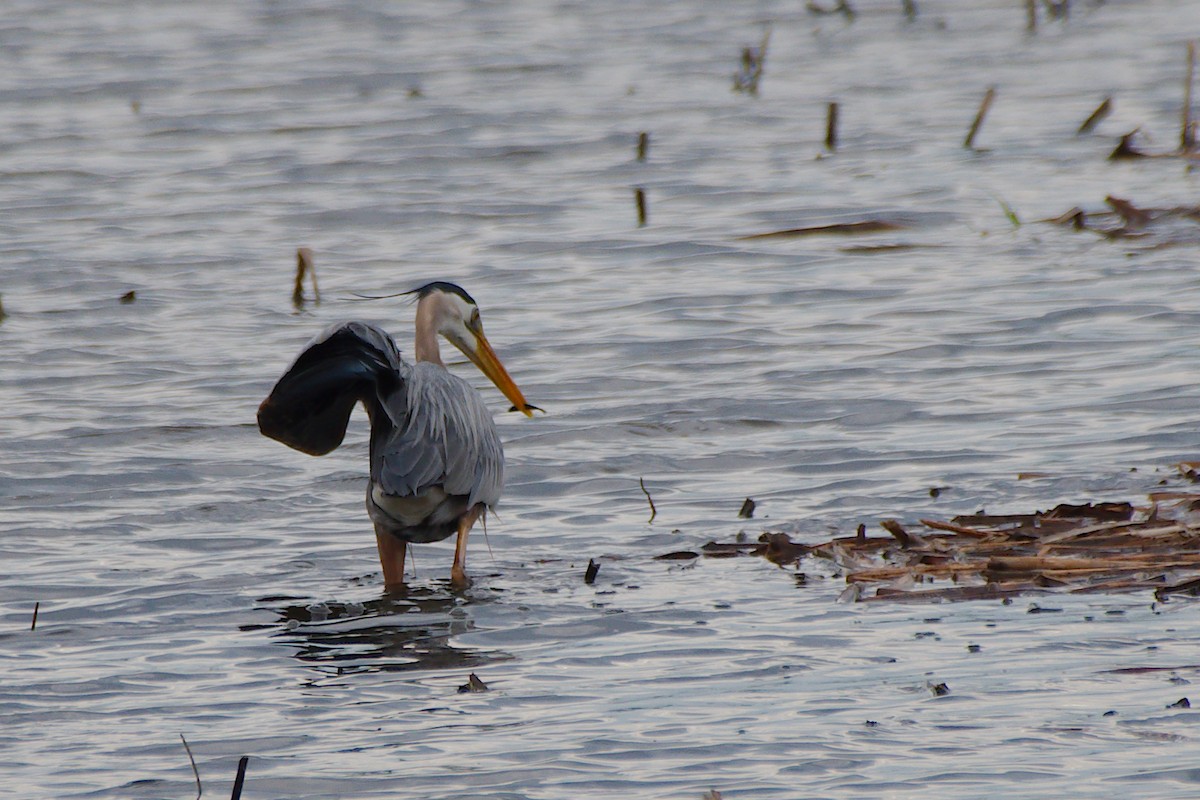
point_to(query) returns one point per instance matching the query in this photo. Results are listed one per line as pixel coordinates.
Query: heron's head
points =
(454, 314)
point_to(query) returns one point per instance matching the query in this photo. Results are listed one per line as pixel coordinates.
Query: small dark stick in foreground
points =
(1031, 16)
(1133, 217)
(897, 530)
(831, 122)
(1187, 135)
(593, 569)
(753, 61)
(747, 509)
(196, 772)
(643, 145)
(988, 96)
(304, 266)
(639, 197)
(649, 499)
(842, 7)
(1099, 114)
(128, 297)
(1125, 148)
(36, 606)
(473, 685)
(1058, 10)
(240, 780)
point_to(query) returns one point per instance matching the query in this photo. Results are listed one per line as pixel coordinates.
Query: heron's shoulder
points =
(361, 335)
(435, 378)
(366, 331)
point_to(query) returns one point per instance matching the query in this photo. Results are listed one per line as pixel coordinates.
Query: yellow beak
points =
(484, 357)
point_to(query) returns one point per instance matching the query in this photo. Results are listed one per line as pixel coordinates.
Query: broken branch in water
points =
(240, 780)
(649, 499)
(831, 123)
(1178, 224)
(643, 145)
(842, 7)
(753, 60)
(897, 530)
(304, 266)
(196, 772)
(1187, 134)
(988, 97)
(33, 623)
(473, 685)
(1092, 547)
(1133, 217)
(850, 228)
(639, 198)
(1102, 111)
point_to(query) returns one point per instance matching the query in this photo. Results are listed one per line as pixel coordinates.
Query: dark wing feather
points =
(310, 406)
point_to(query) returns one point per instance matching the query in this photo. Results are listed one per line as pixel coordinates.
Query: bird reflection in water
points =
(395, 633)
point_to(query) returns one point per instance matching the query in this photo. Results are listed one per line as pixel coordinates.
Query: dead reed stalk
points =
(988, 97)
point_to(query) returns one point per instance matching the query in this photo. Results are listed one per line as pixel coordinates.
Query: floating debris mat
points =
(1070, 548)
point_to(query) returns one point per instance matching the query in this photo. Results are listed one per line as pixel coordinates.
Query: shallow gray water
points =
(197, 579)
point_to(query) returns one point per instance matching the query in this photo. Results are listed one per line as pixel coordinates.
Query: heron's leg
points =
(391, 558)
(458, 571)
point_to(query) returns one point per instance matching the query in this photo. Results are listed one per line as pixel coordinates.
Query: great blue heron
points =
(436, 460)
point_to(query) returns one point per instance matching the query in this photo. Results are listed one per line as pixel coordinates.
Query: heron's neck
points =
(425, 343)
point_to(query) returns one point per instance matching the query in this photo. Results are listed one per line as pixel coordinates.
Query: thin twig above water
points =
(649, 499)
(196, 772)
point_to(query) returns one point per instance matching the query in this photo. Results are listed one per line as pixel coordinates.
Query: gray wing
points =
(447, 439)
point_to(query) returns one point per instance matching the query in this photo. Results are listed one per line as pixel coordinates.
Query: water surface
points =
(195, 578)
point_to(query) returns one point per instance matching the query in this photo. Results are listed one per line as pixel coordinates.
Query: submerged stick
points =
(639, 197)
(593, 569)
(897, 530)
(1099, 114)
(747, 78)
(841, 228)
(1125, 148)
(196, 772)
(1187, 134)
(33, 624)
(643, 145)
(649, 499)
(988, 96)
(304, 266)
(952, 528)
(747, 510)
(240, 779)
(831, 121)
